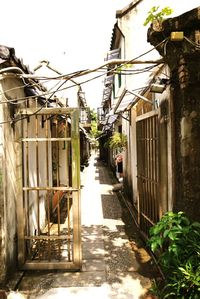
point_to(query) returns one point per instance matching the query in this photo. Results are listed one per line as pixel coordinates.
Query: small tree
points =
(157, 15)
(94, 132)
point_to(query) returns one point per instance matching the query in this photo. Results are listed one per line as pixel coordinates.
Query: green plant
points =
(177, 242)
(117, 141)
(123, 67)
(94, 132)
(157, 15)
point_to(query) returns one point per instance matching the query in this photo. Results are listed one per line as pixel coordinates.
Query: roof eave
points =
(126, 9)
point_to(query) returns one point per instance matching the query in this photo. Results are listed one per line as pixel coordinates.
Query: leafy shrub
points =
(177, 242)
(117, 141)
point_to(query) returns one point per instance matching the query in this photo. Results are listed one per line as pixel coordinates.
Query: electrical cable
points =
(128, 62)
(14, 120)
(86, 72)
(47, 93)
(28, 97)
(86, 81)
(139, 69)
(165, 47)
(62, 89)
(11, 68)
(74, 75)
(136, 72)
(59, 77)
(21, 100)
(139, 56)
(35, 84)
(192, 42)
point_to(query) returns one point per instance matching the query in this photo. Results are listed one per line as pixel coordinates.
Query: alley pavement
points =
(115, 262)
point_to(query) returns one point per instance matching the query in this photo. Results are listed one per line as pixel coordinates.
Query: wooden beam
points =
(31, 111)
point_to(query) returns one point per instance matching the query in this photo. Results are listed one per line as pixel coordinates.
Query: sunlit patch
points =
(119, 242)
(16, 295)
(129, 287)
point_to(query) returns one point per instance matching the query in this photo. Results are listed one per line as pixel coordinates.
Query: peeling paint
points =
(186, 133)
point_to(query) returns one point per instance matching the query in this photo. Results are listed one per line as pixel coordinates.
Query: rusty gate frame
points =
(149, 207)
(75, 262)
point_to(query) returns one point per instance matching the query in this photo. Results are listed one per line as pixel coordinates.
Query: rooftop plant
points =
(157, 14)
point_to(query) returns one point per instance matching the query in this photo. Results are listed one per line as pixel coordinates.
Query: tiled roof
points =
(8, 58)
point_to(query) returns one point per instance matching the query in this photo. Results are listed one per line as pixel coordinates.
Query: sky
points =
(71, 34)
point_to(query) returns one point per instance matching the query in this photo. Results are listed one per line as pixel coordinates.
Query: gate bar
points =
(50, 188)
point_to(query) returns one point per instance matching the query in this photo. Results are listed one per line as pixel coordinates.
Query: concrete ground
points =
(115, 262)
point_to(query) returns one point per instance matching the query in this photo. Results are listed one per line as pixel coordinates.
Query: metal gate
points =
(149, 208)
(48, 207)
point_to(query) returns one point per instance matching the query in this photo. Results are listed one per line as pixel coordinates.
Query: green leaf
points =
(196, 224)
(166, 232)
(172, 236)
(154, 14)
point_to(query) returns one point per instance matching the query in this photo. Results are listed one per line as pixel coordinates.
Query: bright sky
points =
(71, 34)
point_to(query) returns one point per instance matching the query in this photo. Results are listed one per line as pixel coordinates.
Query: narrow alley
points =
(99, 150)
(115, 264)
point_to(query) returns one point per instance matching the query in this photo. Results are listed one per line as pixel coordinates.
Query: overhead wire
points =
(127, 62)
(66, 78)
(61, 89)
(82, 73)
(46, 93)
(14, 120)
(89, 71)
(136, 71)
(192, 43)
(42, 94)
(21, 86)
(78, 73)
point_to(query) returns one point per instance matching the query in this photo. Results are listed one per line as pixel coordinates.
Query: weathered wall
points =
(2, 241)
(183, 58)
(187, 142)
(8, 240)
